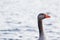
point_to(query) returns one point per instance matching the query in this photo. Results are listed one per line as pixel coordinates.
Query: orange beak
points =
(46, 16)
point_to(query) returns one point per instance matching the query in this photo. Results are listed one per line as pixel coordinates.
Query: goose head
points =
(42, 16)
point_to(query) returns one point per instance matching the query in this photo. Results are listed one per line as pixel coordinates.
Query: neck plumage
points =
(40, 28)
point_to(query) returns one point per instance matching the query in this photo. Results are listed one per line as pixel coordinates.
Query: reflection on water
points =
(9, 39)
(10, 30)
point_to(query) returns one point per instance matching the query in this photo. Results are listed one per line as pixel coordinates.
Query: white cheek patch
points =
(41, 16)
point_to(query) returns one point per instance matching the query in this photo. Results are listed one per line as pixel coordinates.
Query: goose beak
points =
(47, 16)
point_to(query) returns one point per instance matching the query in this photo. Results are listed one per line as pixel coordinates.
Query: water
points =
(18, 19)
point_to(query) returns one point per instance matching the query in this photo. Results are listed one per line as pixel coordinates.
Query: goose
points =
(41, 16)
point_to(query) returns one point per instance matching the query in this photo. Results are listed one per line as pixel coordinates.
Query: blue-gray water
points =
(18, 19)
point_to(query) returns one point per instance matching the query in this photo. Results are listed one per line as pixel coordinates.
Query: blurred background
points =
(18, 19)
